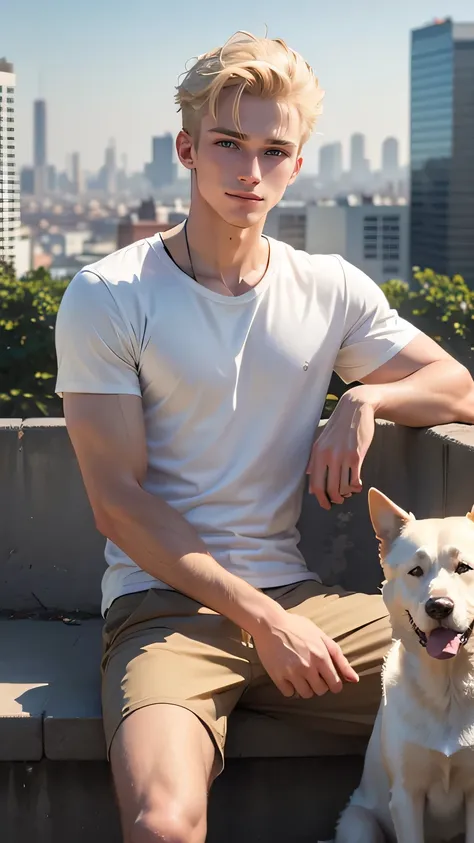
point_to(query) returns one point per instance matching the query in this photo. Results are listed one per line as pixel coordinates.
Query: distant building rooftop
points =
(129, 231)
(6, 66)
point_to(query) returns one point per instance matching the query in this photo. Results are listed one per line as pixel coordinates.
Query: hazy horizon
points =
(109, 69)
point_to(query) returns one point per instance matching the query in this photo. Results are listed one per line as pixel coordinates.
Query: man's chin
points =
(242, 218)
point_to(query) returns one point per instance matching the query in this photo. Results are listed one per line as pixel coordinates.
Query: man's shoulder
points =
(125, 265)
(321, 267)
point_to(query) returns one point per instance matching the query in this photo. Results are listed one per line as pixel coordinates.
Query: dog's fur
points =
(418, 779)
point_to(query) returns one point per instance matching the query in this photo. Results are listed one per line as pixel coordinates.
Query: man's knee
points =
(170, 825)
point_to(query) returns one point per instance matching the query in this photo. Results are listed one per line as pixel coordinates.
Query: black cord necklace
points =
(222, 279)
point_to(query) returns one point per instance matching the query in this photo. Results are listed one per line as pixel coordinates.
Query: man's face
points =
(258, 164)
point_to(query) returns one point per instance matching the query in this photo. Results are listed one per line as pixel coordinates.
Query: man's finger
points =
(317, 483)
(333, 482)
(339, 660)
(330, 675)
(354, 479)
(317, 682)
(285, 687)
(303, 687)
(345, 487)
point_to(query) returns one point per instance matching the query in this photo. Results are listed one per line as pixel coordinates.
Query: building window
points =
(10, 90)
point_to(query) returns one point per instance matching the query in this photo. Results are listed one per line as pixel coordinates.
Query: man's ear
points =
(387, 518)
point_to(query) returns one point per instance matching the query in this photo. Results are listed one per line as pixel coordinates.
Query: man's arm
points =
(108, 436)
(420, 386)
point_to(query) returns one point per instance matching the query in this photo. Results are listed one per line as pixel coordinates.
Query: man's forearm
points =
(165, 545)
(439, 393)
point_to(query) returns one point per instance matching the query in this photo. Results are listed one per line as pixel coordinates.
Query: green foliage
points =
(28, 311)
(441, 306)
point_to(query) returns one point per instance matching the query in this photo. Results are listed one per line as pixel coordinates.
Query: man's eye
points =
(223, 142)
(416, 572)
(463, 568)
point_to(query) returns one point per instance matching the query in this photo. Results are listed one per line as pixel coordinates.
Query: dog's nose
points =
(439, 607)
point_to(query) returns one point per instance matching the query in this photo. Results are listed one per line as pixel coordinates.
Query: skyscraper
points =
(442, 148)
(390, 164)
(76, 174)
(330, 163)
(39, 148)
(110, 169)
(359, 165)
(161, 171)
(9, 199)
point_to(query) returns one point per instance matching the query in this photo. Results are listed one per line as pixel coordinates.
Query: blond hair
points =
(262, 67)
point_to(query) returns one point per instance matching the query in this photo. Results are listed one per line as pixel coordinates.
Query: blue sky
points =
(108, 68)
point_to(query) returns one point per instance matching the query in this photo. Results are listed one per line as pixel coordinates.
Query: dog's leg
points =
(358, 825)
(408, 813)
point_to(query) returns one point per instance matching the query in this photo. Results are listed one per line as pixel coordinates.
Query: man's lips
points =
(248, 196)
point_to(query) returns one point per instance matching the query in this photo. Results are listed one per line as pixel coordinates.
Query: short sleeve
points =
(373, 331)
(94, 347)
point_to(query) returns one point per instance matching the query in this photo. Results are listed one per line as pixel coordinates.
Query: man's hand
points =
(300, 658)
(337, 456)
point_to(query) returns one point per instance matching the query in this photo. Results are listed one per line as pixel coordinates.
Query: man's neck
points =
(219, 250)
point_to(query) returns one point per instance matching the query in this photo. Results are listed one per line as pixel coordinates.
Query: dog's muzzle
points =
(423, 639)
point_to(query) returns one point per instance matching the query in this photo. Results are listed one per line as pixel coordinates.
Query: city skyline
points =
(97, 88)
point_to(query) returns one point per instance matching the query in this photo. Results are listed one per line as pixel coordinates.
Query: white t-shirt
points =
(232, 389)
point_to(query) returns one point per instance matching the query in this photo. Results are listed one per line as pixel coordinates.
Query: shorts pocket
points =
(123, 613)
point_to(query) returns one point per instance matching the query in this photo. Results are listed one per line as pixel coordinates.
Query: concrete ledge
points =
(50, 702)
(257, 800)
(53, 554)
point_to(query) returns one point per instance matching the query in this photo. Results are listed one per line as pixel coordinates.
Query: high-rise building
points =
(40, 159)
(110, 169)
(372, 237)
(161, 171)
(359, 166)
(330, 163)
(442, 148)
(77, 174)
(390, 163)
(9, 198)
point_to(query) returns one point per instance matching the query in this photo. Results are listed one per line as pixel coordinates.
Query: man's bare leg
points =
(162, 760)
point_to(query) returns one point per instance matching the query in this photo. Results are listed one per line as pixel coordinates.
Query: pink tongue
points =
(443, 643)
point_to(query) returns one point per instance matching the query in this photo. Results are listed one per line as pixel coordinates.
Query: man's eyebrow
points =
(241, 136)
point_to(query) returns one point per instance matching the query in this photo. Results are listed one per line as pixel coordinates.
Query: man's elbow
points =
(465, 394)
(112, 508)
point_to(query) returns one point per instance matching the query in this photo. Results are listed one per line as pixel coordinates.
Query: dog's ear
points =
(470, 514)
(387, 518)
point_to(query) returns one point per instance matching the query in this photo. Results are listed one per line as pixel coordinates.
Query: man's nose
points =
(252, 173)
(439, 607)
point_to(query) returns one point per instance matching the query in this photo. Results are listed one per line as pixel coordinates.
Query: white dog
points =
(418, 779)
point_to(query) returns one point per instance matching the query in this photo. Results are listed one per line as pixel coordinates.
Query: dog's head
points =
(429, 576)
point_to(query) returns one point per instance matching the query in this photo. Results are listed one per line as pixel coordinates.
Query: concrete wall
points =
(275, 786)
(53, 556)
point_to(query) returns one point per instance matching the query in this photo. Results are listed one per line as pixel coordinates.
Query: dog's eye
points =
(416, 572)
(463, 568)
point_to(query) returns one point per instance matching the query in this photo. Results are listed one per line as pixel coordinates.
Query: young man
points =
(194, 369)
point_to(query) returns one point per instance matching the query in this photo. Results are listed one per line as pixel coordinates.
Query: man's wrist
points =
(368, 395)
(260, 613)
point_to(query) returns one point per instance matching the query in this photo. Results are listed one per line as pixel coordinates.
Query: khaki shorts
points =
(162, 647)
